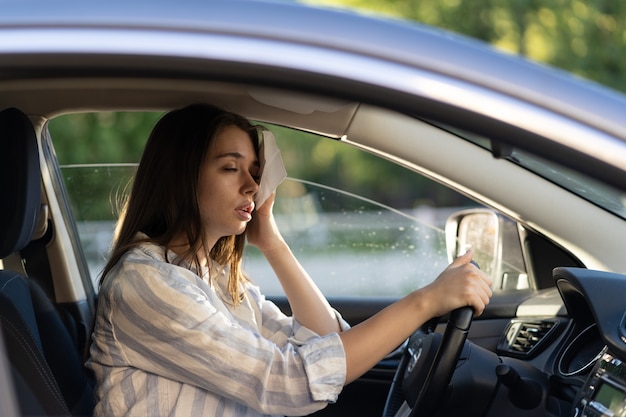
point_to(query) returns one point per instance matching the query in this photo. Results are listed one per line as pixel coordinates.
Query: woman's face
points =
(227, 184)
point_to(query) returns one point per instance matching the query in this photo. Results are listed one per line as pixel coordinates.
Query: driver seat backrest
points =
(46, 366)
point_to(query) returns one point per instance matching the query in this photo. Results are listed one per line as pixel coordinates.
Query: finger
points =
(484, 293)
(481, 300)
(486, 280)
(463, 259)
(267, 206)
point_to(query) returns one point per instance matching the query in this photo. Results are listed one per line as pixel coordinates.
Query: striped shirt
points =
(166, 343)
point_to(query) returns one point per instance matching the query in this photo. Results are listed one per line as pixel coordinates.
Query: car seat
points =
(45, 363)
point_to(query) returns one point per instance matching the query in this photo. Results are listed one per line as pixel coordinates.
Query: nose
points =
(250, 185)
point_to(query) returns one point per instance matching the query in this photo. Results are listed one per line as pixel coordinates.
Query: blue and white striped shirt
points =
(166, 343)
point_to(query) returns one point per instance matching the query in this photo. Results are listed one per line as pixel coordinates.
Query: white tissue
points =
(272, 168)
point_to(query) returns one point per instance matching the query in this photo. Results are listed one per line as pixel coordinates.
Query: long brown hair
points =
(163, 200)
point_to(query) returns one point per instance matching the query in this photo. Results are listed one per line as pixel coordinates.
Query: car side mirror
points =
(495, 241)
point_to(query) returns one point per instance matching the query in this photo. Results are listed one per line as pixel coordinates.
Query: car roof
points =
(393, 40)
(71, 56)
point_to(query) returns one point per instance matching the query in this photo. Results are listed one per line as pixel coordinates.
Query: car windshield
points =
(603, 195)
(609, 198)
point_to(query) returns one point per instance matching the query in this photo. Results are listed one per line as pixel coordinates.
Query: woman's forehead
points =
(231, 140)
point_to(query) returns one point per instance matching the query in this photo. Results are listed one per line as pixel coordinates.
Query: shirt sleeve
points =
(163, 323)
(282, 329)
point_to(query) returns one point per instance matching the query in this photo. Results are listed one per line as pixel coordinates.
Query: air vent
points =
(525, 338)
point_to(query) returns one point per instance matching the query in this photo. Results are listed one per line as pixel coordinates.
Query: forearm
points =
(370, 341)
(308, 304)
(460, 284)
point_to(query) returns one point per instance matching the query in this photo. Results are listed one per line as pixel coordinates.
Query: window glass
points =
(597, 192)
(360, 225)
(355, 246)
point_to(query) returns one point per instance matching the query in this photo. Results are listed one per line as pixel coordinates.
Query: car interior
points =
(542, 332)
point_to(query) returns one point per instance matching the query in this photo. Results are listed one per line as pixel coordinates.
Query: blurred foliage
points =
(585, 37)
(110, 137)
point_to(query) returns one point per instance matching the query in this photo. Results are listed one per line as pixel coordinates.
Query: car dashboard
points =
(595, 301)
(582, 349)
(604, 393)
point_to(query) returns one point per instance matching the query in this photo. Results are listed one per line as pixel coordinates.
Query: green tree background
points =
(584, 37)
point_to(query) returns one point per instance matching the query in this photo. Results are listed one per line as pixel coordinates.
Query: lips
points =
(245, 211)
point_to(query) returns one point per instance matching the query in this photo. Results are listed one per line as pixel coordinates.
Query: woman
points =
(181, 331)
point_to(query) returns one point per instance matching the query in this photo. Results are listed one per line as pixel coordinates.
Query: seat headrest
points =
(20, 181)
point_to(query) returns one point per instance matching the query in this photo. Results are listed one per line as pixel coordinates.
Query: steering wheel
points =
(426, 368)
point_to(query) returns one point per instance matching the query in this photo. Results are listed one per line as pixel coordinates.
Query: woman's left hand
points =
(262, 231)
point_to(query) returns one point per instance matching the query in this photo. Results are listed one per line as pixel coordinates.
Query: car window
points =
(359, 224)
